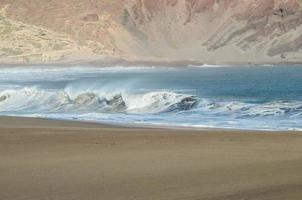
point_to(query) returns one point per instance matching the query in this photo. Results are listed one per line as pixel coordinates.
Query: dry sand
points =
(45, 160)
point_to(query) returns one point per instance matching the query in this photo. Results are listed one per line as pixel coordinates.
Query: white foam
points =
(119, 101)
(34, 99)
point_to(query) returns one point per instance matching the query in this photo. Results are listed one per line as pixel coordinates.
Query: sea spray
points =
(249, 97)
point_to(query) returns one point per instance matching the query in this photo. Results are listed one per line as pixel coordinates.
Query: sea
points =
(245, 97)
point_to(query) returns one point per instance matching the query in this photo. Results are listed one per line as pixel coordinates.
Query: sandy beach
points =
(191, 99)
(46, 159)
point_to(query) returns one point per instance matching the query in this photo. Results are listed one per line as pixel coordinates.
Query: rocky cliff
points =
(211, 31)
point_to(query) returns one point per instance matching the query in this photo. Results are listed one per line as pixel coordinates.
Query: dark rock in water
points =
(86, 99)
(4, 97)
(186, 103)
(116, 104)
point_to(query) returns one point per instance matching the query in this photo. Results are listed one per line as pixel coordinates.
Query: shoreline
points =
(111, 62)
(50, 159)
(146, 126)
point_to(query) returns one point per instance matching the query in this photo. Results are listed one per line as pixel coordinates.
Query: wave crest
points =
(34, 100)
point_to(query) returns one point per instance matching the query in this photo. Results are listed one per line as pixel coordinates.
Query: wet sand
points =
(47, 159)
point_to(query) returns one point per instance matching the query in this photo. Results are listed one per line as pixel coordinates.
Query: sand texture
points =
(43, 160)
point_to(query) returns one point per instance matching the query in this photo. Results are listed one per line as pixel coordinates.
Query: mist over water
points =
(245, 97)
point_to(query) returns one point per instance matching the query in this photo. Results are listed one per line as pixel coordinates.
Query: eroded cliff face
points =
(213, 31)
(229, 30)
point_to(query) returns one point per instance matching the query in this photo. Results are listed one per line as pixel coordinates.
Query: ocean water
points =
(236, 97)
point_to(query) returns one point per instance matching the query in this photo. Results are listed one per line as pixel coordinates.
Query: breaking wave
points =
(197, 96)
(251, 110)
(35, 100)
(51, 101)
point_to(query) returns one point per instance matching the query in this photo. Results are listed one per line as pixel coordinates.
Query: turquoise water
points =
(241, 97)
